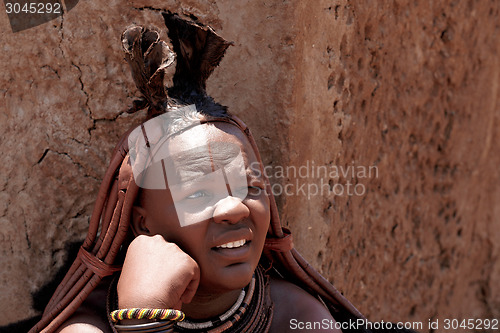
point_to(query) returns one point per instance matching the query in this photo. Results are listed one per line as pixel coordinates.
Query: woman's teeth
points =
(231, 245)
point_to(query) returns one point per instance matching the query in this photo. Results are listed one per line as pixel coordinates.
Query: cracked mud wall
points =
(410, 88)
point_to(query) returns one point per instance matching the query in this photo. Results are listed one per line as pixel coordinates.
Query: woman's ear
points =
(138, 223)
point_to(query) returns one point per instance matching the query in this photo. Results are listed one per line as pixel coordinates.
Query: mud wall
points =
(378, 121)
(411, 88)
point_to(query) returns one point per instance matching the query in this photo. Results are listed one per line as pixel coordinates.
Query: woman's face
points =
(215, 207)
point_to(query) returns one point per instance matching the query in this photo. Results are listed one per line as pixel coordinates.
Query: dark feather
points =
(199, 50)
(149, 58)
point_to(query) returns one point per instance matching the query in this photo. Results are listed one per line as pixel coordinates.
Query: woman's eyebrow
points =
(194, 163)
(205, 154)
(191, 169)
(252, 176)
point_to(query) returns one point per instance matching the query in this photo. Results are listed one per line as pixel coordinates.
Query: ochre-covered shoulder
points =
(295, 310)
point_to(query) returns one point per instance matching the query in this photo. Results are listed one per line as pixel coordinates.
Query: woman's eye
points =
(197, 194)
(254, 191)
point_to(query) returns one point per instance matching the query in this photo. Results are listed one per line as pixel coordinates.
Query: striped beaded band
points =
(144, 313)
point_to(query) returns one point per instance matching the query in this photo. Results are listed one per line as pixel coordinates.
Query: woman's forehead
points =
(190, 154)
(205, 135)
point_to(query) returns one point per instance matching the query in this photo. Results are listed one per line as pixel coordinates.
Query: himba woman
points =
(185, 235)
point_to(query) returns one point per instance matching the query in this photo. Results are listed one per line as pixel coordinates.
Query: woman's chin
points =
(232, 277)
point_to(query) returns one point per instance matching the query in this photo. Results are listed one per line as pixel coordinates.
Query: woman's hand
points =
(156, 274)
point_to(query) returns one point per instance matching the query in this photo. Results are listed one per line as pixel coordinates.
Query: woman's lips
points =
(231, 245)
(234, 238)
(235, 253)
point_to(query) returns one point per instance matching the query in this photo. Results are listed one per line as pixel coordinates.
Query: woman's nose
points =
(230, 210)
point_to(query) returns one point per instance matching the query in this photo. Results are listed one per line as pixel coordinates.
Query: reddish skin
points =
(179, 275)
(169, 266)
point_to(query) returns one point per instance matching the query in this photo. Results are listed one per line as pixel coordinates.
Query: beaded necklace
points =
(253, 314)
(191, 325)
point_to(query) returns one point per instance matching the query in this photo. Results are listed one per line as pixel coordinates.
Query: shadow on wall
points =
(42, 296)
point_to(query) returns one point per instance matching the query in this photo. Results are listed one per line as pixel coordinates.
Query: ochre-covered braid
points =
(145, 313)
